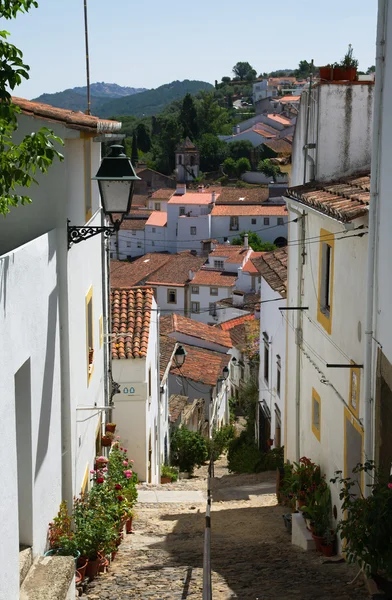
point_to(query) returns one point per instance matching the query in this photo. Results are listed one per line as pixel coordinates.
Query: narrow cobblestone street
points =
(252, 557)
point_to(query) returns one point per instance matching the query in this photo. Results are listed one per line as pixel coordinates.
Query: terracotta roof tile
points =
(132, 224)
(245, 211)
(201, 365)
(227, 325)
(157, 218)
(280, 146)
(249, 266)
(166, 346)
(124, 274)
(139, 200)
(163, 194)
(177, 323)
(272, 266)
(69, 118)
(288, 99)
(192, 198)
(214, 278)
(243, 196)
(177, 404)
(344, 199)
(279, 119)
(231, 253)
(131, 315)
(175, 271)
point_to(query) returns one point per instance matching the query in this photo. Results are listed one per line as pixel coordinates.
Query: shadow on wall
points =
(47, 384)
(251, 550)
(4, 268)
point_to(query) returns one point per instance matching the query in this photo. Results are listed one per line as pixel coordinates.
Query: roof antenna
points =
(88, 111)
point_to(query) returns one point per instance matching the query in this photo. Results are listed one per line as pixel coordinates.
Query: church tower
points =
(187, 162)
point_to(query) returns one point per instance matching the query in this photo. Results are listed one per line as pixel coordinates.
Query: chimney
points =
(200, 189)
(180, 189)
(238, 298)
(238, 129)
(191, 274)
(213, 197)
(246, 242)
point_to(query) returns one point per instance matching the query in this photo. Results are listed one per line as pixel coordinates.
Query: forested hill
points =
(154, 101)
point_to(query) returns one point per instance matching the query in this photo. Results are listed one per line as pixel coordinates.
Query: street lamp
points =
(225, 373)
(116, 180)
(179, 356)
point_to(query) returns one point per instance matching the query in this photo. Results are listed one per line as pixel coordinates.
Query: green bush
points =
(171, 472)
(220, 441)
(188, 449)
(244, 456)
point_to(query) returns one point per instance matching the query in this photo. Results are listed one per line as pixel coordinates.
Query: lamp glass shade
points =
(225, 372)
(116, 196)
(179, 356)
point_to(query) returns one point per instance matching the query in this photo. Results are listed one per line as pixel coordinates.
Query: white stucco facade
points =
(266, 226)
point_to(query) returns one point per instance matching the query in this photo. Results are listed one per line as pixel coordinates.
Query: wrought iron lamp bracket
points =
(78, 234)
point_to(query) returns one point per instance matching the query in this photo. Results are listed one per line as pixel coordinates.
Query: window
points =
(355, 374)
(253, 221)
(278, 427)
(182, 211)
(266, 357)
(280, 221)
(157, 206)
(153, 229)
(233, 223)
(266, 220)
(139, 244)
(278, 374)
(180, 159)
(87, 178)
(172, 296)
(212, 310)
(133, 232)
(316, 414)
(213, 291)
(195, 289)
(192, 161)
(129, 244)
(152, 243)
(195, 307)
(325, 291)
(219, 264)
(89, 334)
(193, 230)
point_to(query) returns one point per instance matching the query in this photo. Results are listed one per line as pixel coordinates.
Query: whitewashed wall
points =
(220, 228)
(164, 306)
(204, 298)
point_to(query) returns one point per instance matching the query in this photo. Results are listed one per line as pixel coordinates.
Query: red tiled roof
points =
(243, 196)
(288, 99)
(175, 322)
(264, 130)
(201, 365)
(272, 266)
(192, 198)
(214, 278)
(176, 269)
(139, 200)
(131, 315)
(249, 266)
(279, 119)
(344, 199)
(227, 325)
(248, 211)
(129, 224)
(281, 146)
(186, 145)
(163, 194)
(69, 118)
(166, 348)
(158, 218)
(124, 274)
(177, 404)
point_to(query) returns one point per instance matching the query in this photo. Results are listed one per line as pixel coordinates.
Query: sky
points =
(152, 42)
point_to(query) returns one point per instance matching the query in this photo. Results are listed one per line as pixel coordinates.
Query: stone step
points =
(50, 578)
(300, 535)
(25, 562)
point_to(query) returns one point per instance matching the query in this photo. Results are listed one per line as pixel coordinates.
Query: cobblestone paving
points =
(252, 557)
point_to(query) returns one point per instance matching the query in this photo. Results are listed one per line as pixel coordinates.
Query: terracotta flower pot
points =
(344, 73)
(110, 427)
(165, 479)
(103, 564)
(106, 441)
(326, 73)
(82, 565)
(318, 540)
(327, 549)
(78, 577)
(113, 556)
(92, 568)
(128, 525)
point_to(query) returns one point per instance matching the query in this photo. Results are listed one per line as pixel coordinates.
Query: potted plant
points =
(347, 69)
(110, 427)
(62, 540)
(320, 514)
(327, 543)
(168, 474)
(107, 439)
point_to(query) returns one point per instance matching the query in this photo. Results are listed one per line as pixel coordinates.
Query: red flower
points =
(118, 486)
(100, 480)
(120, 498)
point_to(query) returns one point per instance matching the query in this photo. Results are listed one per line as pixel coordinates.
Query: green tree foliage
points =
(371, 69)
(304, 69)
(241, 69)
(226, 79)
(255, 242)
(143, 137)
(251, 75)
(36, 152)
(188, 449)
(269, 169)
(242, 165)
(135, 154)
(240, 149)
(188, 118)
(212, 152)
(229, 167)
(165, 144)
(210, 116)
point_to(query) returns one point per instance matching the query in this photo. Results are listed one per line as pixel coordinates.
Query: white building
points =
(189, 219)
(269, 222)
(272, 268)
(167, 349)
(52, 330)
(260, 90)
(136, 368)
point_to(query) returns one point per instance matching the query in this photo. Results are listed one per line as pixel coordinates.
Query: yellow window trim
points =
(349, 417)
(85, 480)
(326, 237)
(315, 396)
(101, 331)
(89, 298)
(357, 371)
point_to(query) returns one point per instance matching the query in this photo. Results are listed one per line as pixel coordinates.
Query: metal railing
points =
(207, 582)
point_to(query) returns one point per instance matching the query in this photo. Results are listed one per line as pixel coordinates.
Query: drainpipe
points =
(306, 146)
(373, 219)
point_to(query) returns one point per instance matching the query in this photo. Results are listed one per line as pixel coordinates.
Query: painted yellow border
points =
(326, 237)
(316, 396)
(101, 331)
(85, 480)
(87, 175)
(348, 416)
(356, 370)
(89, 297)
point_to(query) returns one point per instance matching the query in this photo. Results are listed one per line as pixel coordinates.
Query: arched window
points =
(192, 161)
(180, 159)
(280, 242)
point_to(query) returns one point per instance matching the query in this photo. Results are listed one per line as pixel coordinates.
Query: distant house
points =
(187, 331)
(268, 221)
(152, 180)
